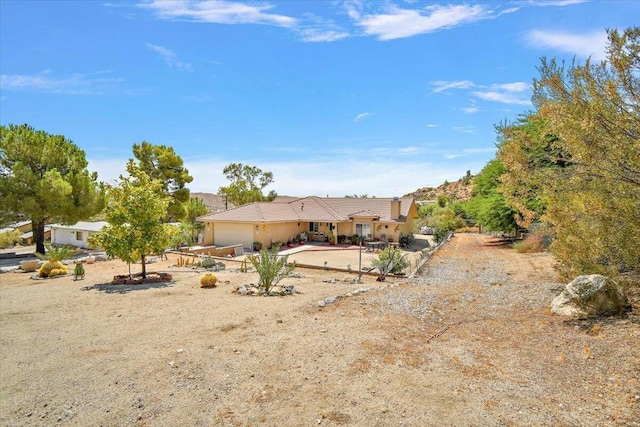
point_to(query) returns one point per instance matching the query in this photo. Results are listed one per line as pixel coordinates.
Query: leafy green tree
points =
(444, 220)
(162, 163)
(426, 210)
(195, 209)
(136, 214)
(488, 206)
(533, 157)
(185, 234)
(247, 183)
(44, 178)
(594, 110)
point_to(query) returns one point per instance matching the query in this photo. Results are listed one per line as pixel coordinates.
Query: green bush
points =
(8, 239)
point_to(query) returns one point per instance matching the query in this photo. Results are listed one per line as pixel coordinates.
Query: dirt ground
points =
(469, 342)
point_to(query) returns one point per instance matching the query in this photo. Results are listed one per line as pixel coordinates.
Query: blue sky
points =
(333, 97)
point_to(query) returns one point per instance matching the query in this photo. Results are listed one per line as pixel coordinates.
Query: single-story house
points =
(268, 222)
(75, 235)
(25, 228)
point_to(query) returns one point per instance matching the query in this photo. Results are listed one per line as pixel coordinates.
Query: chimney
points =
(395, 208)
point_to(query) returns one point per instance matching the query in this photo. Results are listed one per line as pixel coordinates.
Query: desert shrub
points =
(211, 263)
(271, 268)
(391, 260)
(534, 242)
(8, 239)
(52, 266)
(208, 280)
(467, 229)
(440, 234)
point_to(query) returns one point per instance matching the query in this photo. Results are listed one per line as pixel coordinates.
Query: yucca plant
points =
(271, 268)
(56, 253)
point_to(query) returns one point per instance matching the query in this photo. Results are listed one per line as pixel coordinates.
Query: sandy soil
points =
(470, 342)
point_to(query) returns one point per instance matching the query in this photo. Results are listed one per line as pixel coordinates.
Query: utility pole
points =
(360, 260)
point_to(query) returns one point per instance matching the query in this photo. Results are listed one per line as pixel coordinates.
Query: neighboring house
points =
(25, 228)
(267, 222)
(76, 234)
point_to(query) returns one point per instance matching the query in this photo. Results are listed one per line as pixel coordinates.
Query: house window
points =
(363, 230)
(79, 235)
(314, 226)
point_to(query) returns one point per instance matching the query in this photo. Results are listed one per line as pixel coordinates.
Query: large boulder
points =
(590, 295)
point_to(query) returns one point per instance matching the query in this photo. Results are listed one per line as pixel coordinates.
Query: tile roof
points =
(314, 209)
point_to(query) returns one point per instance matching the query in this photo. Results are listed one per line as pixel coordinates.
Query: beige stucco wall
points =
(271, 232)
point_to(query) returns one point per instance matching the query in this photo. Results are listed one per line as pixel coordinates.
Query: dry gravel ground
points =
(471, 342)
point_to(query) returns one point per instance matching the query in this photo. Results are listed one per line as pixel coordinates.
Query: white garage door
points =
(233, 234)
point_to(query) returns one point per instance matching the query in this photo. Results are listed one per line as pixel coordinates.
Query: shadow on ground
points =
(110, 288)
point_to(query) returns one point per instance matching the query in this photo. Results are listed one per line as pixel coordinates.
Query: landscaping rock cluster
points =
(277, 291)
(331, 300)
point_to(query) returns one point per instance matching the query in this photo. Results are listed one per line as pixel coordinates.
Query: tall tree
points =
(533, 157)
(136, 214)
(247, 183)
(594, 110)
(44, 178)
(488, 206)
(162, 163)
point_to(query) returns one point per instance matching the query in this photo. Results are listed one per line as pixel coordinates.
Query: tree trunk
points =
(38, 235)
(144, 266)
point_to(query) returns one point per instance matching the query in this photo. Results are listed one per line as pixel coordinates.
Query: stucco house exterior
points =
(75, 235)
(267, 222)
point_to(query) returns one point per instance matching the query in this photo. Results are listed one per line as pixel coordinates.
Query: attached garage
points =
(227, 234)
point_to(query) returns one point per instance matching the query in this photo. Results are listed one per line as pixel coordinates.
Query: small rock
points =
(180, 350)
(321, 303)
(330, 300)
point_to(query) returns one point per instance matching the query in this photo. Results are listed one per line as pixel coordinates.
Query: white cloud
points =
(502, 97)
(322, 35)
(465, 129)
(409, 150)
(516, 93)
(399, 23)
(219, 12)
(441, 86)
(431, 125)
(360, 117)
(470, 110)
(593, 44)
(76, 84)
(559, 3)
(170, 58)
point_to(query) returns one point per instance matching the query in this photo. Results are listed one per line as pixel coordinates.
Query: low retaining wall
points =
(429, 253)
(214, 251)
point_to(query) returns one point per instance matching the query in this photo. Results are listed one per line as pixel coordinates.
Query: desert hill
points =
(213, 202)
(459, 190)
